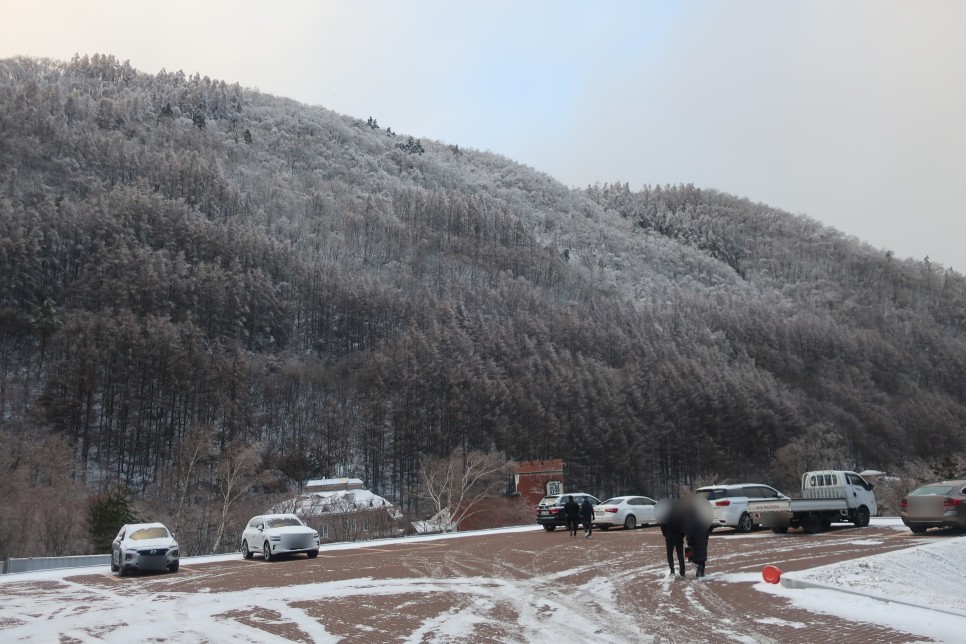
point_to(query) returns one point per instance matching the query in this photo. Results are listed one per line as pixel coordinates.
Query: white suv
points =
(275, 535)
(730, 503)
(144, 546)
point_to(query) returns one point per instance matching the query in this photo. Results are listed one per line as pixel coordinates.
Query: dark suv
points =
(550, 512)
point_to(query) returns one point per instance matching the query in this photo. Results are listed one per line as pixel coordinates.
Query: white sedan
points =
(274, 535)
(628, 511)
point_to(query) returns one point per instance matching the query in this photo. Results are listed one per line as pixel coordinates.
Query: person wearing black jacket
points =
(587, 517)
(673, 530)
(572, 515)
(697, 531)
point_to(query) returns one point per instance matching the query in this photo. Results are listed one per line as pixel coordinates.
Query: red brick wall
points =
(533, 476)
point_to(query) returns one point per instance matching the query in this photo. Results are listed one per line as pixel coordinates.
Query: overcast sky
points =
(852, 112)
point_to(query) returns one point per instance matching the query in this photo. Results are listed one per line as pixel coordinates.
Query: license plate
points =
(925, 507)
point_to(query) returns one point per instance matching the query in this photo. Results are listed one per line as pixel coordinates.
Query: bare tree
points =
(455, 485)
(59, 516)
(190, 451)
(237, 474)
(39, 488)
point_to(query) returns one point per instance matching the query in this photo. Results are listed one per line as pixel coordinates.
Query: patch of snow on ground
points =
(918, 590)
(782, 622)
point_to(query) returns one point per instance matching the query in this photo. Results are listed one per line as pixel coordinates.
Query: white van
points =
(730, 503)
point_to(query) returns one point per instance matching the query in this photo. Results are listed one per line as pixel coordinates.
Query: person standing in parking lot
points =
(697, 530)
(673, 530)
(572, 515)
(587, 516)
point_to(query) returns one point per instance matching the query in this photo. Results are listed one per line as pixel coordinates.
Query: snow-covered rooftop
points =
(314, 504)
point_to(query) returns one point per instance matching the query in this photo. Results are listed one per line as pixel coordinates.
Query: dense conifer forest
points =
(210, 295)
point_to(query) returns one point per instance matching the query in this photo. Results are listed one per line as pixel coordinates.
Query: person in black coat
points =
(572, 515)
(673, 530)
(587, 517)
(697, 530)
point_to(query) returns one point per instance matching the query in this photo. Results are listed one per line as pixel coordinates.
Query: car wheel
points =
(114, 566)
(267, 551)
(549, 528)
(918, 529)
(121, 570)
(744, 523)
(312, 554)
(780, 530)
(174, 566)
(630, 522)
(861, 518)
(246, 553)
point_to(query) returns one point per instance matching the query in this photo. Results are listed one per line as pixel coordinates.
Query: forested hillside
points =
(208, 291)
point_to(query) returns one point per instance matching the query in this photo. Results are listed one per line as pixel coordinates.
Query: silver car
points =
(144, 546)
(937, 505)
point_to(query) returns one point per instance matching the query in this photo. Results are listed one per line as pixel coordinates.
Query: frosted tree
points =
(456, 485)
(238, 472)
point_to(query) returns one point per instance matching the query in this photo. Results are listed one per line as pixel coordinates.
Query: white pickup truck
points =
(827, 496)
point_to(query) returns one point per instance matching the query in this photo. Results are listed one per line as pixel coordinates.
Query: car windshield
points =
(711, 495)
(281, 522)
(615, 501)
(932, 489)
(149, 533)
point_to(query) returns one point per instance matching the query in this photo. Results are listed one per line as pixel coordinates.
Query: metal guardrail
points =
(33, 564)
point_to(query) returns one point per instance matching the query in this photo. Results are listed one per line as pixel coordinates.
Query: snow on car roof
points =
(138, 526)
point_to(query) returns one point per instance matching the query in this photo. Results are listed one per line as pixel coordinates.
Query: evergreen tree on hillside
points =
(411, 146)
(106, 514)
(198, 118)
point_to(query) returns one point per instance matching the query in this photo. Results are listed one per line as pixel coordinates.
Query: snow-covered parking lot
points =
(880, 583)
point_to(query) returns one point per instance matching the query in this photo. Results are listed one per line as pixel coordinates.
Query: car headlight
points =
(174, 553)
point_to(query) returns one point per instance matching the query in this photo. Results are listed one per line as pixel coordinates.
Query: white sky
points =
(849, 112)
